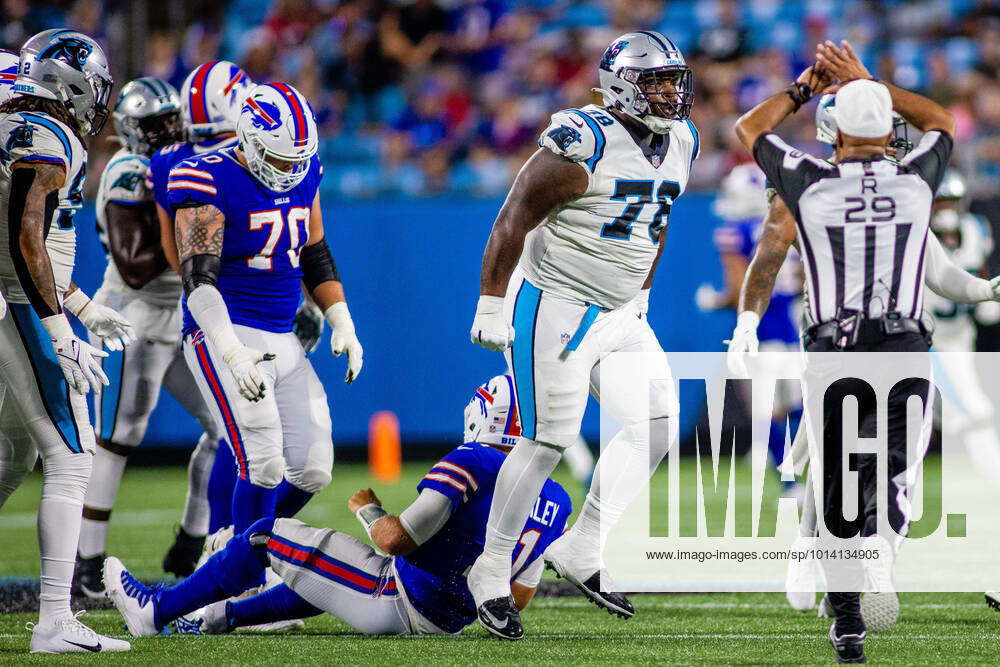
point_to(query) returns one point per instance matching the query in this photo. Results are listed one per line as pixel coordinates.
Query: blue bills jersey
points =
(259, 277)
(778, 323)
(165, 158)
(433, 576)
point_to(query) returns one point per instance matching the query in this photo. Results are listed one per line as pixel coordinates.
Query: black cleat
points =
(500, 617)
(850, 648)
(88, 577)
(183, 554)
(993, 600)
(615, 604)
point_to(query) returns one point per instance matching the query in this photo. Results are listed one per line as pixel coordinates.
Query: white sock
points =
(622, 472)
(521, 479)
(194, 520)
(105, 479)
(64, 485)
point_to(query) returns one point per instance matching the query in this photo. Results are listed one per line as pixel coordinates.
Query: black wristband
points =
(800, 93)
(200, 270)
(317, 265)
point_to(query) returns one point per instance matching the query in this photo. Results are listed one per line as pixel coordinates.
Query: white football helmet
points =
(826, 126)
(211, 98)
(491, 417)
(742, 194)
(638, 65)
(8, 74)
(277, 134)
(70, 68)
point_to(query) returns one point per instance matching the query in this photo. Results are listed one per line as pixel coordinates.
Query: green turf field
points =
(745, 628)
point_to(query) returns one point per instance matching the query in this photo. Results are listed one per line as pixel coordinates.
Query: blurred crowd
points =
(422, 97)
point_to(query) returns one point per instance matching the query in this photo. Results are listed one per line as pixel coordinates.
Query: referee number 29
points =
(878, 209)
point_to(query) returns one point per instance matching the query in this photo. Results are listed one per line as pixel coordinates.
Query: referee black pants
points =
(847, 604)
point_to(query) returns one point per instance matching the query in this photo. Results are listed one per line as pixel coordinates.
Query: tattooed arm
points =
(199, 232)
(34, 195)
(777, 235)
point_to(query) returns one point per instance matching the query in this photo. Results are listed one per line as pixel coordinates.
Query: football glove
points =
(743, 343)
(642, 302)
(343, 339)
(79, 361)
(107, 324)
(308, 325)
(489, 328)
(242, 362)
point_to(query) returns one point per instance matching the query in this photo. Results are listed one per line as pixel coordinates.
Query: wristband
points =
(76, 302)
(800, 93)
(368, 515)
(57, 326)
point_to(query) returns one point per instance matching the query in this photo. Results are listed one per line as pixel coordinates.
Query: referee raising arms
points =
(864, 281)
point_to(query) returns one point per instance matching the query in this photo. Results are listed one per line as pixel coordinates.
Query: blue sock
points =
(289, 499)
(227, 573)
(220, 488)
(250, 503)
(280, 603)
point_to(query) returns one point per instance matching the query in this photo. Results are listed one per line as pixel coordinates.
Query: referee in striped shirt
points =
(861, 226)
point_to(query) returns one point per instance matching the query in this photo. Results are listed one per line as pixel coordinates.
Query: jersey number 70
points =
(296, 237)
(642, 193)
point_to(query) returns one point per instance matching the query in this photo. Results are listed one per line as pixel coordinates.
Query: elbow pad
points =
(200, 270)
(317, 265)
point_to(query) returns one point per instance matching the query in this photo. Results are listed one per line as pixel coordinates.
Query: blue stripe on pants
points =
(114, 368)
(48, 375)
(523, 354)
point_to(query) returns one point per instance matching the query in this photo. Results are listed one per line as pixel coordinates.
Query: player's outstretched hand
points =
(242, 362)
(344, 339)
(109, 325)
(489, 328)
(842, 63)
(362, 498)
(744, 343)
(308, 325)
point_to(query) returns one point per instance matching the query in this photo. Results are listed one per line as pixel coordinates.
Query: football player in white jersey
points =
(565, 285)
(62, 91)
(139, 283)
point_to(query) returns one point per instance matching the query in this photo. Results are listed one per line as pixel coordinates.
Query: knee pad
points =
(310, 480)
(267, 472)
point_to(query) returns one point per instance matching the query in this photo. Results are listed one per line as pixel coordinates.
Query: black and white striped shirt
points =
(862, 224)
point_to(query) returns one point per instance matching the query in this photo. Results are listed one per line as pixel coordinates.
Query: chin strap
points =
(655, 127)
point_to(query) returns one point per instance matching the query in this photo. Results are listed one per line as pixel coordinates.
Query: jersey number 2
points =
(642, 193)
(296, 236)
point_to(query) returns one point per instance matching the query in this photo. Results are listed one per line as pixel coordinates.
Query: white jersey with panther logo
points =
(124, 182)
(35, 137)
(598, 249)
(954, 329)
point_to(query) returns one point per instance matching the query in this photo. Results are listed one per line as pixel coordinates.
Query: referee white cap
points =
(864, 109)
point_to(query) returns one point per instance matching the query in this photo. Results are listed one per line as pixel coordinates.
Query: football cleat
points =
(214, 543)
(557, 557)
(500, 617)
(135, 601)
(850, 648)
(993, 600)
(88, 577)
(71, 636)
(183, 554)
(880, 610)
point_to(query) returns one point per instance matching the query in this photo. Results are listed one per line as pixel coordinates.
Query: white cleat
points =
(880, 610)
(215, 542)
(583, 572)
(993, 600)
(291, 625)
(71, 636)
(133, 599)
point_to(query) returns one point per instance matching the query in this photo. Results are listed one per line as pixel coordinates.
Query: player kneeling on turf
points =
(418, 588)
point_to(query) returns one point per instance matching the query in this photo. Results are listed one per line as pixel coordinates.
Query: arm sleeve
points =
(575, 136)
(789, 171)
(426, 515)
(454, 476)
(532, 574)
(947, 279)
(930, 158)
(124, 181)
(191, 184)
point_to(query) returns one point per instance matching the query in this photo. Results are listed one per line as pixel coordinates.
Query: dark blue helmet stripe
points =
(653, 36)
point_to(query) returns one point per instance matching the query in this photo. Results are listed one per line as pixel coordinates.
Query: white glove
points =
(707, 298)
(489, 328)
(242, 362)
(642, 302)
(78, 360)
(995, 286)
(744, 342)
(105, 323)
(343, 339)
(308, 325)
